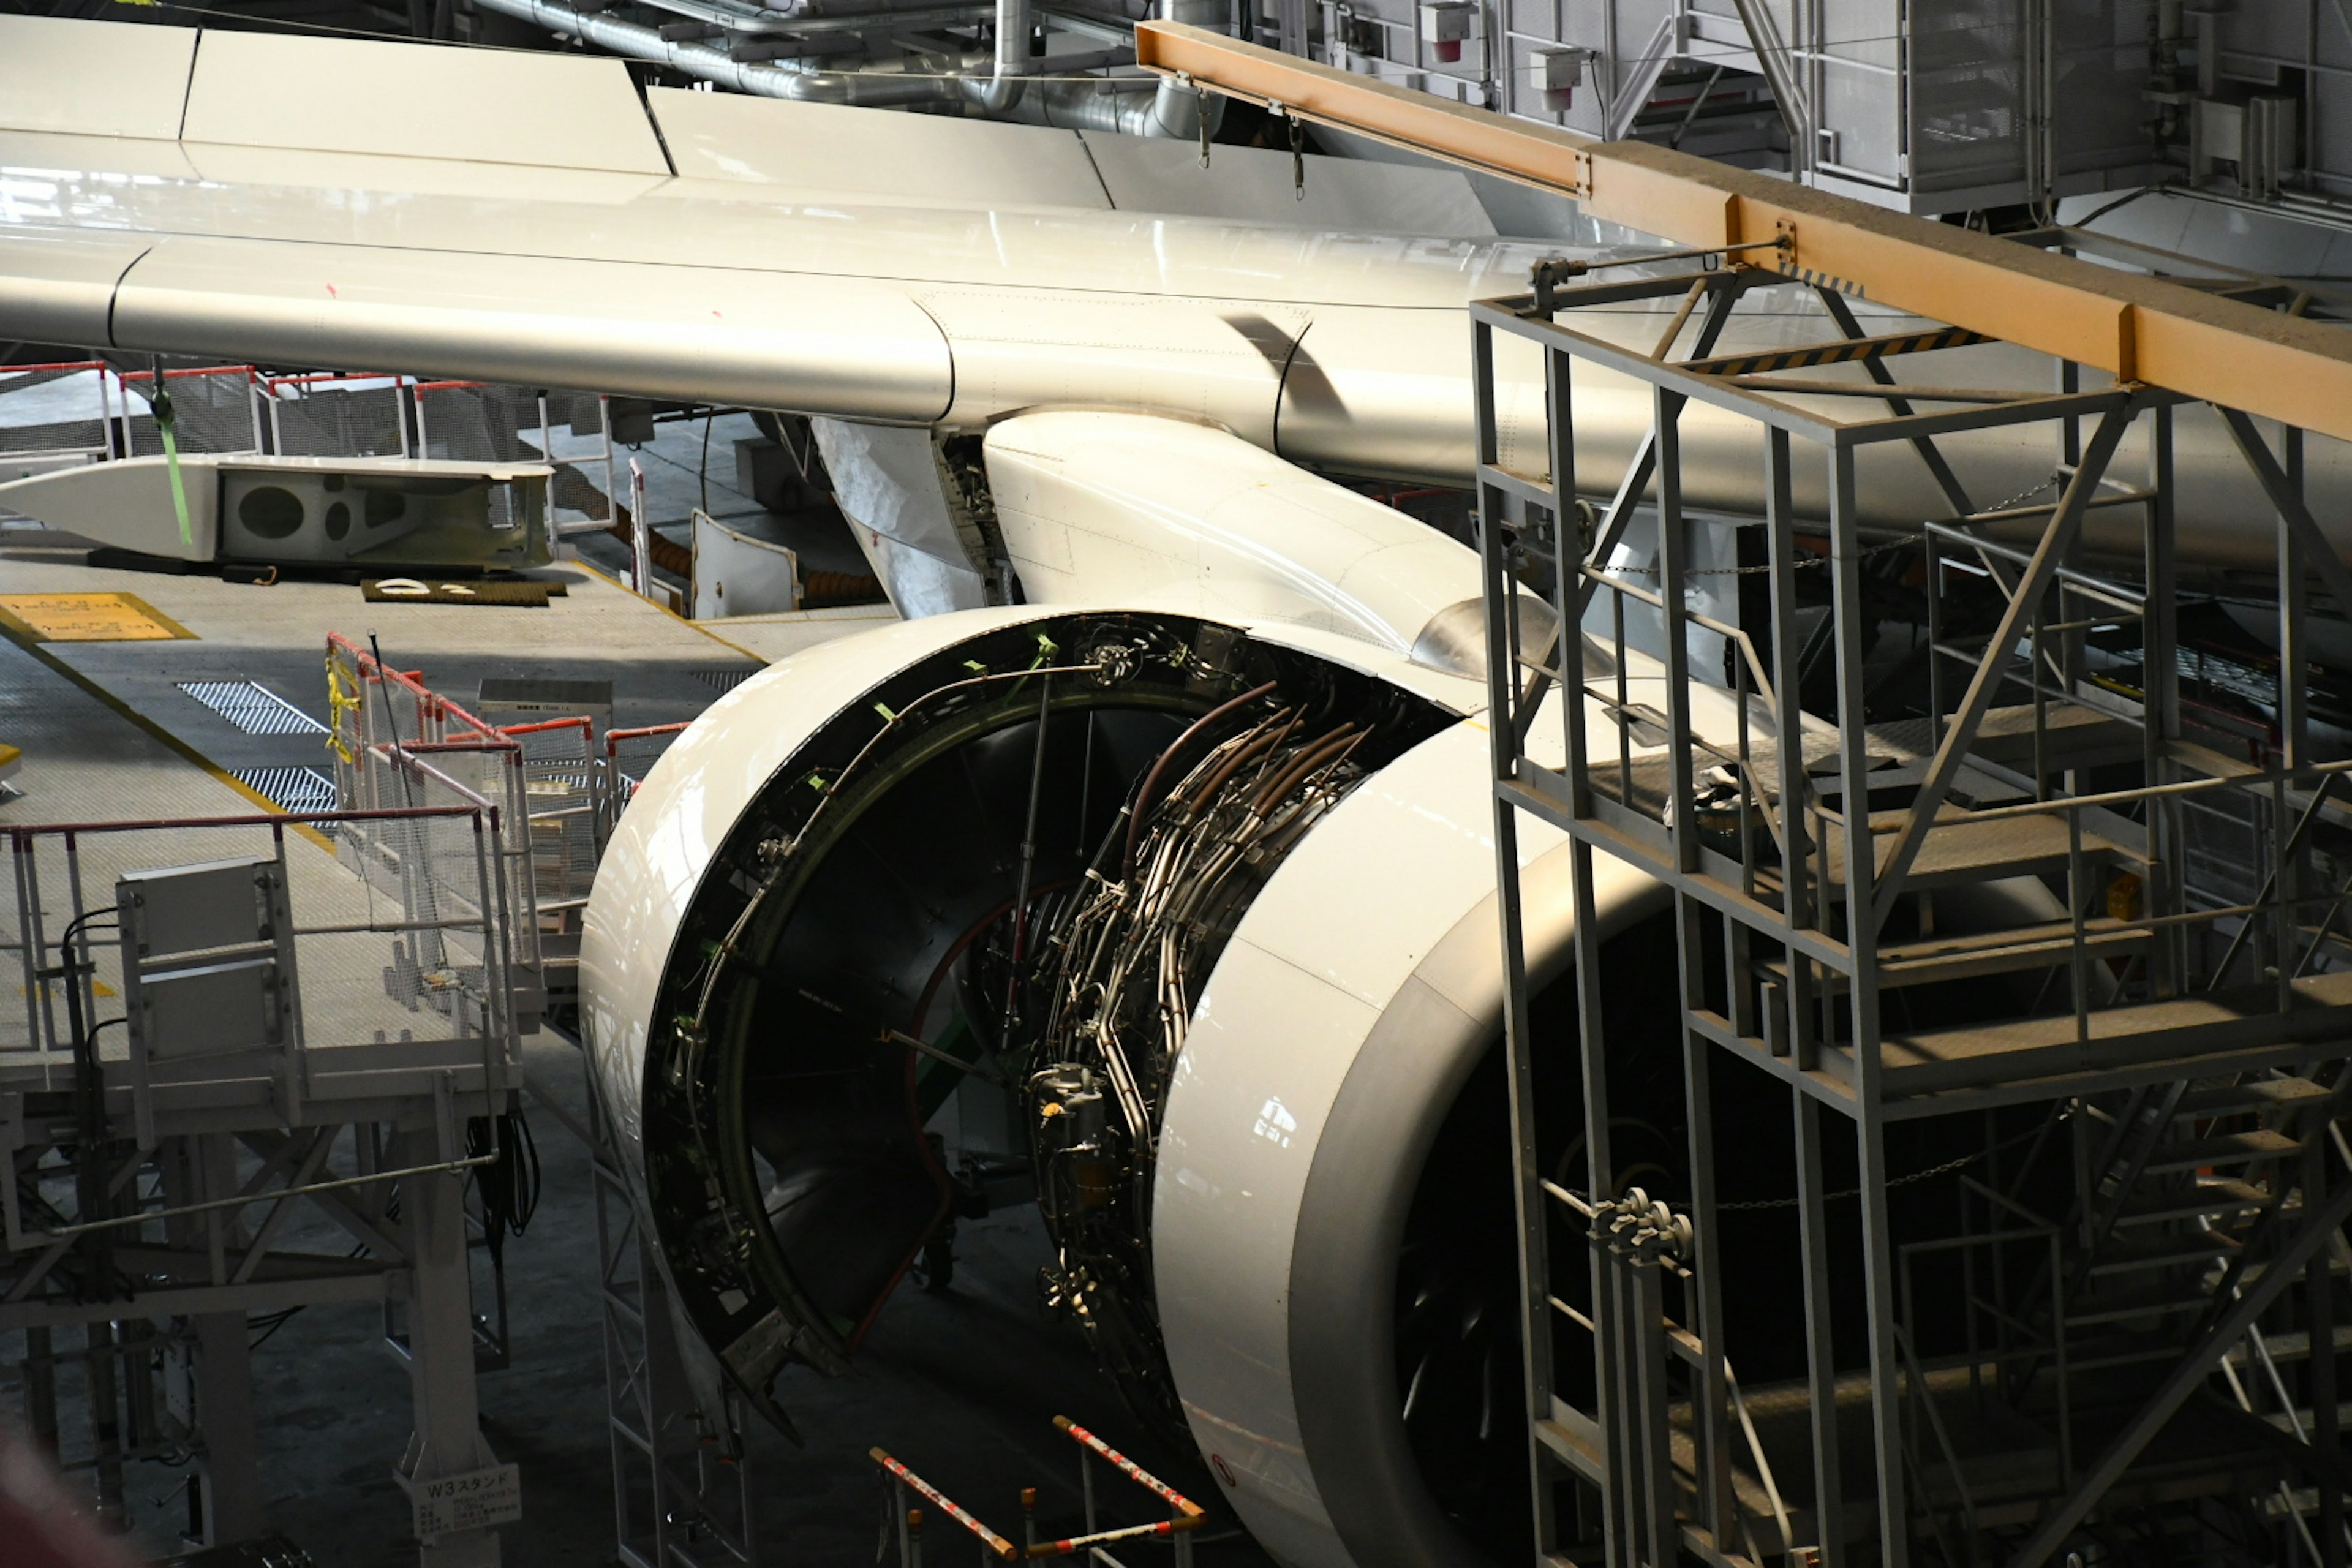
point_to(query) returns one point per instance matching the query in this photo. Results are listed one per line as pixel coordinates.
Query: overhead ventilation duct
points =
(995, 85)
(700, 60)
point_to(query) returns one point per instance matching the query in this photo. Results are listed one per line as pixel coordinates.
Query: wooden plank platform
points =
(2240, 1018)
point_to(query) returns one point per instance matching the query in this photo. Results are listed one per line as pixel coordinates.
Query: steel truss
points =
(146, 1189)
(2171, 1213)
(682, 1492)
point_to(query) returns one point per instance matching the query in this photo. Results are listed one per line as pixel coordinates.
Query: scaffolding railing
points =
(365, 980)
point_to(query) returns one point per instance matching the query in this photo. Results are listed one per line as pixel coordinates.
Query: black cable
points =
(508, 1181)
(276, 1321)
(703, 471)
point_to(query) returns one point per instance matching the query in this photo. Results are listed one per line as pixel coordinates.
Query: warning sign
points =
(475, 1500)
(87, 618)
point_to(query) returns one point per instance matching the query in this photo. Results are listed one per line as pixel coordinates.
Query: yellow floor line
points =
(665, 610)
(185, 752)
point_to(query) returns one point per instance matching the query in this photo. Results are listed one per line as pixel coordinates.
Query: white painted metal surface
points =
(42, 87)
(1131, 510)
(1332, 345)
(914, 158)
(476, 105)
(682, 811)
(737, 574)
(1361, 988)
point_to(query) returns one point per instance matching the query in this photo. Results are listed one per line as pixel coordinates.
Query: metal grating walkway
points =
(296, 791)
(252, 708)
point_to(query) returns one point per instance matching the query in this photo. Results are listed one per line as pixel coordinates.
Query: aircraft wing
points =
(536, 219)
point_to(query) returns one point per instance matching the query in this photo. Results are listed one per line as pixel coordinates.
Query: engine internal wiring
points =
(1116, 980)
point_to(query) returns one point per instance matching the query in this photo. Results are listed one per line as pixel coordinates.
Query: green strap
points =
(162, 404)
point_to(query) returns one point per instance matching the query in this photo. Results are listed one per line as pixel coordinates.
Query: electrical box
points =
(1553, 74)
(1446, 27)
(506, 700)
(208, 963)
(188, 909)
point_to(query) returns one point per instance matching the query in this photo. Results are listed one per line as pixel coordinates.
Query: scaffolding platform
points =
(2036, 921)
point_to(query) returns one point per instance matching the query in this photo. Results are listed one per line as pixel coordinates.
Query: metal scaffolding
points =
(1996, 925)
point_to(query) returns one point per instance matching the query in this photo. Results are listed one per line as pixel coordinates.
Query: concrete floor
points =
(961, 1385)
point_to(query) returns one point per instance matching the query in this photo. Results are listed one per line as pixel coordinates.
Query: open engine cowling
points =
(786, 968)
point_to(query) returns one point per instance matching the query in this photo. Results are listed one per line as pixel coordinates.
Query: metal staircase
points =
(2082, 948)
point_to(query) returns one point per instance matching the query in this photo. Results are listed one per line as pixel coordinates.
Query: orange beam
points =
(2136, 328)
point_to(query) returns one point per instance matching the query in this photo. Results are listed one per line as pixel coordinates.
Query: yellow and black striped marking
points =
(1837, 353)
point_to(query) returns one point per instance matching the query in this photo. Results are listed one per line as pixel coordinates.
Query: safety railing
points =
(561, 785)
(1091, 1544)
(398, 745)
(238, 965)
(629, 755)
(56, 415)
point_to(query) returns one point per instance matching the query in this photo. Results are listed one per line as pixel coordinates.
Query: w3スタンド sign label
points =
(475, 1500)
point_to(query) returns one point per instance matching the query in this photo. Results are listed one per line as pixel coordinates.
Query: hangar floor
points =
(962, 1384)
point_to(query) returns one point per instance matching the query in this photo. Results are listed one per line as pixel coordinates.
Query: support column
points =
(228, 1480)
(1861, 943)
(448, 1439)
(231, 1477)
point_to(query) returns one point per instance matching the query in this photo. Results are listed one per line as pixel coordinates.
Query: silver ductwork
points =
(997, 86)
(1128, 106)
(765, 78)
(1004, 90)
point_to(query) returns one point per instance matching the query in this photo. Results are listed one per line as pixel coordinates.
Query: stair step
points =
(2123, 1350)
(2005, 951)
(2278, 1418)
(2289, 1347)
(2222, 1195)
(2189, 1246)
(2222, 1149)
(2124, 1304)
(2182, 1034)
(2278, 1094)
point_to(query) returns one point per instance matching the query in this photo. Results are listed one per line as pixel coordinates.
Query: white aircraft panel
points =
(761, 340)
(870, 156)
(1098, 506)
(664, 841)
(420, 204)
(1030, 347)
(292, 176)
(57, 286)
(1254, 184)
(93, 78)
(496, 106)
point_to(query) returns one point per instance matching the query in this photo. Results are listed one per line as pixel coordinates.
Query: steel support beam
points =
(2138, 328)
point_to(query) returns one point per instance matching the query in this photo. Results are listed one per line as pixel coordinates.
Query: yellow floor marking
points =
(665, 609)
(171, 742)
(87, 618)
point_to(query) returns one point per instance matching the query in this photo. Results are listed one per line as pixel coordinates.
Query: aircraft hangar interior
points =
(792, 782)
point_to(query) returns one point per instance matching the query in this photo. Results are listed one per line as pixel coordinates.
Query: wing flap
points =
(782, 340)
(94, 79)
(491, 106)
(871, 155)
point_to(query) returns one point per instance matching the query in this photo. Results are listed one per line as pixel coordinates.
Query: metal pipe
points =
(1117, 104)
(711, 65)
(1112, 103)
(1005, 89)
